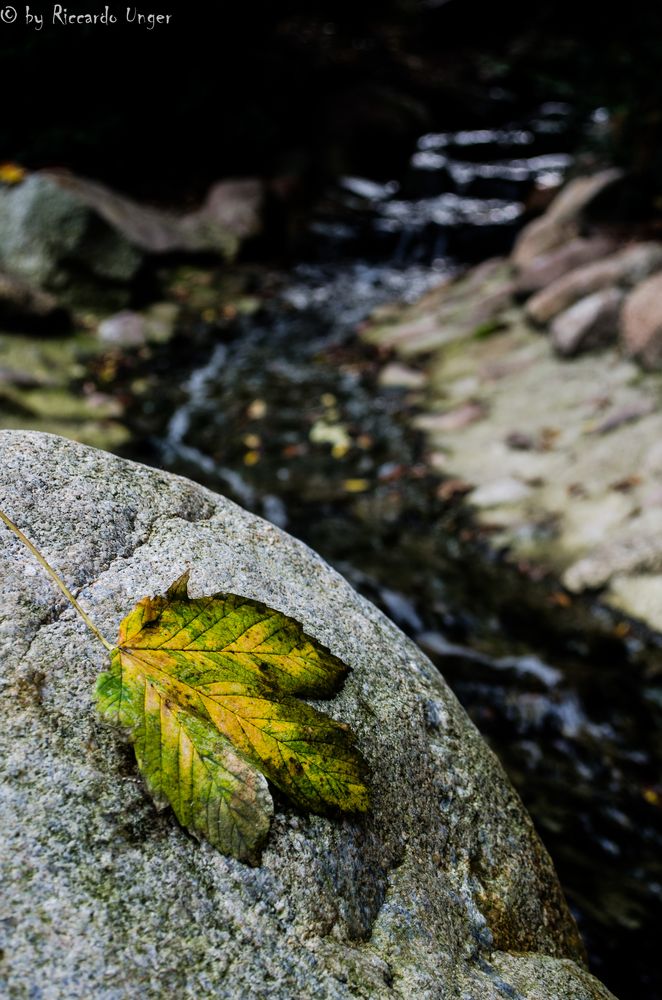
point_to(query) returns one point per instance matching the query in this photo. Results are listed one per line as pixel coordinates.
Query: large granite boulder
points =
(442, 891)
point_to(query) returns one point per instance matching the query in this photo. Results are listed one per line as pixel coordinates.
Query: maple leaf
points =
(205, 688)
(208, 692)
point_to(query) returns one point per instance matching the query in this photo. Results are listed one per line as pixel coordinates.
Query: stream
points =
(280, 407)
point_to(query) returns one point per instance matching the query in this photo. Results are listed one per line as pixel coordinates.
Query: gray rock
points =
(134, 329)
(588, 324)
(641, 325)
(48, 236)
(500, 491)
(230, 214)
(578, 195)
(634, 594)
(549, 267)
(395, 375)
(563, 219)
(442, 891)
(123, 329)
(629, 552)
(624, 269)
(61, 233)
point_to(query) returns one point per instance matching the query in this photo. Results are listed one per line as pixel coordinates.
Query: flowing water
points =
(281, 409)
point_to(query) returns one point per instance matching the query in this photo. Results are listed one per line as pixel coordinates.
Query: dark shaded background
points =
(307, 89)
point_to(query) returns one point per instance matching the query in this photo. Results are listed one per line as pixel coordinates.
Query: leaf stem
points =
(56, 579)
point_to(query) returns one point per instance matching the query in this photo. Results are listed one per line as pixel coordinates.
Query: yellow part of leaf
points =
(205, 687)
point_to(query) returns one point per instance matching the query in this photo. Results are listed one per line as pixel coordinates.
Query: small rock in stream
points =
(642, 323)
(620, 270)
(588, 324)
(547, 268)
(135, 329)
(500, 491)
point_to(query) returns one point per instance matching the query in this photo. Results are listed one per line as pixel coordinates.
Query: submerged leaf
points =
(206, 689)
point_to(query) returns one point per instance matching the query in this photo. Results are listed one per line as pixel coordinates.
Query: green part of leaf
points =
(205, 687)
(214, 792)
